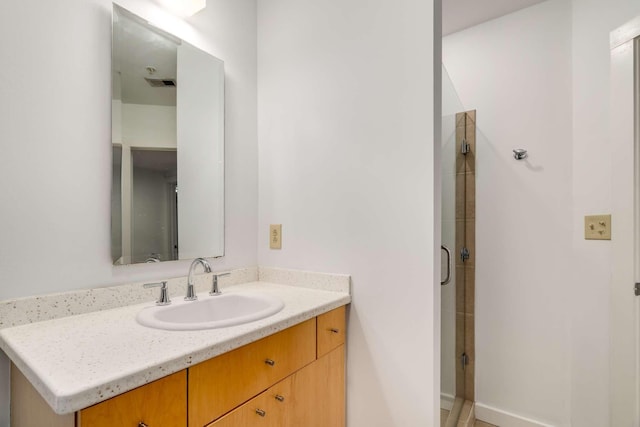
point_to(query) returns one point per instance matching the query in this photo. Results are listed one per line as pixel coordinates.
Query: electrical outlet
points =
(597, 227)
(275, 236)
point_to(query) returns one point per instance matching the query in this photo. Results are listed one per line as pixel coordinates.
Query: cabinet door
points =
(268, 409)
(223, 383)
(318, 393)
(161, 403)
(29, 409)
(331, 330)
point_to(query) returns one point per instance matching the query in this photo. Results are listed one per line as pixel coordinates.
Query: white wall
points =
(148, 125)
(516, 71)
(66, 215)
(593, 20)
(55, 109)
(347, 166)
(151, 221)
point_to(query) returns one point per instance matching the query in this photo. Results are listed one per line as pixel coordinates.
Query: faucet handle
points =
(214, 286)
(164, 294)
(227, 273)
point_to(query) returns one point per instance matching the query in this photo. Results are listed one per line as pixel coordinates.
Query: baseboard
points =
(446, 401)
(505, 419)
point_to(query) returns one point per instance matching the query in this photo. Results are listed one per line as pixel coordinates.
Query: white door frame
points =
(624, 328)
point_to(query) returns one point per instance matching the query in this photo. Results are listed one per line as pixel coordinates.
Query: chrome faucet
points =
(164, 292)
(191, 295)
(214, 285)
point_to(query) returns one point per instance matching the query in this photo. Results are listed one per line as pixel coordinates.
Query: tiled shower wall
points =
(465, 191)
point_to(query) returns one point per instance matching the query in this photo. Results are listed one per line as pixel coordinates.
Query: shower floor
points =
(443, 420)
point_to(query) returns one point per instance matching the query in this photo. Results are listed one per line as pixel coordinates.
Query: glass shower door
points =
(451, 382)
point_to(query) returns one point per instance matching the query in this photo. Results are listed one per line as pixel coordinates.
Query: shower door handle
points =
(448, 278)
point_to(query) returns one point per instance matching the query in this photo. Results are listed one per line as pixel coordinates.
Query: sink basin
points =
(210, 312)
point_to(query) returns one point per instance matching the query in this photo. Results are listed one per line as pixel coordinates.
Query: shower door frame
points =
(625, 306)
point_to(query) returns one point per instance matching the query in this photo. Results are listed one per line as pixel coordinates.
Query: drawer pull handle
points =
(279, 398)
(142, 424)
(270, 362)
(261, 412)
(334, 330)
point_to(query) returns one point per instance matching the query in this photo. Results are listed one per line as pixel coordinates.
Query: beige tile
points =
(459, 379)
(460, 242)
(465, 193)
(460, 192)
(471, 120)
(470, 241)
(465, 129)
(470, 160)
(469, 336)
(471, 133)
(460, 329)
(461, 161)
(471, 117)
(444, 414)
(465, 163)
(452, 421)
(469, 196)
(460, 289)
(469, 295)
(467, 415)
(469, 381)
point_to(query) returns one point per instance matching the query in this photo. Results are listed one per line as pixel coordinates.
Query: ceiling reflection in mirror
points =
(167, 200)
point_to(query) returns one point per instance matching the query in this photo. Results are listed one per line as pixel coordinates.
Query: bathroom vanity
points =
(103, 369)
(300, 383)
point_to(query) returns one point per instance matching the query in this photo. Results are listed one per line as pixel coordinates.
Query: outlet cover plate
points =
(597, 227)
(275, 236)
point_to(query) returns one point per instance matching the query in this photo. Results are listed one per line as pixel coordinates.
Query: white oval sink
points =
(210, 312)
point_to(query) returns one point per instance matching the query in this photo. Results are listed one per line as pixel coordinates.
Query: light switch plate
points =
(597, 227)
(275, 236)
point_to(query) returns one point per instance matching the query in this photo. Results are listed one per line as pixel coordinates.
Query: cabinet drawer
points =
(269, 409)
(160, 403)
(314, 396)
(331, 330)
(224, 382)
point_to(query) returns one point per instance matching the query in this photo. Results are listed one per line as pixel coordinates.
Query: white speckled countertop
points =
(80, 360)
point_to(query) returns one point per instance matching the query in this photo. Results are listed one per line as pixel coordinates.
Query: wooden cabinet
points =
(160, 403)
(294, 378)
(331, 330)
(224, 382)
(268, 409)
(312, 397)
(29, 409)
(318, 393)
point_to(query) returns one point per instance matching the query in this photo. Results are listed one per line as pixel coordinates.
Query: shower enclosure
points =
(458, 239)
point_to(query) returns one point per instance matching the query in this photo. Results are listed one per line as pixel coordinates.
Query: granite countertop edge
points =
(68, 385)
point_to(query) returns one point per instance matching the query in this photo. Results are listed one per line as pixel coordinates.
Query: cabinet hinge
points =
(464, 360)
(465, 147)
(464, 254)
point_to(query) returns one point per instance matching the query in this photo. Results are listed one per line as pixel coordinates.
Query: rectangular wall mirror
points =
(167, 199)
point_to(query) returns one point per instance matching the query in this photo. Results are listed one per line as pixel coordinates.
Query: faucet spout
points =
(191, 295)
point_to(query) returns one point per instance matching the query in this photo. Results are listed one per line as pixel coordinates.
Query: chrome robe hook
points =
(520, 154)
